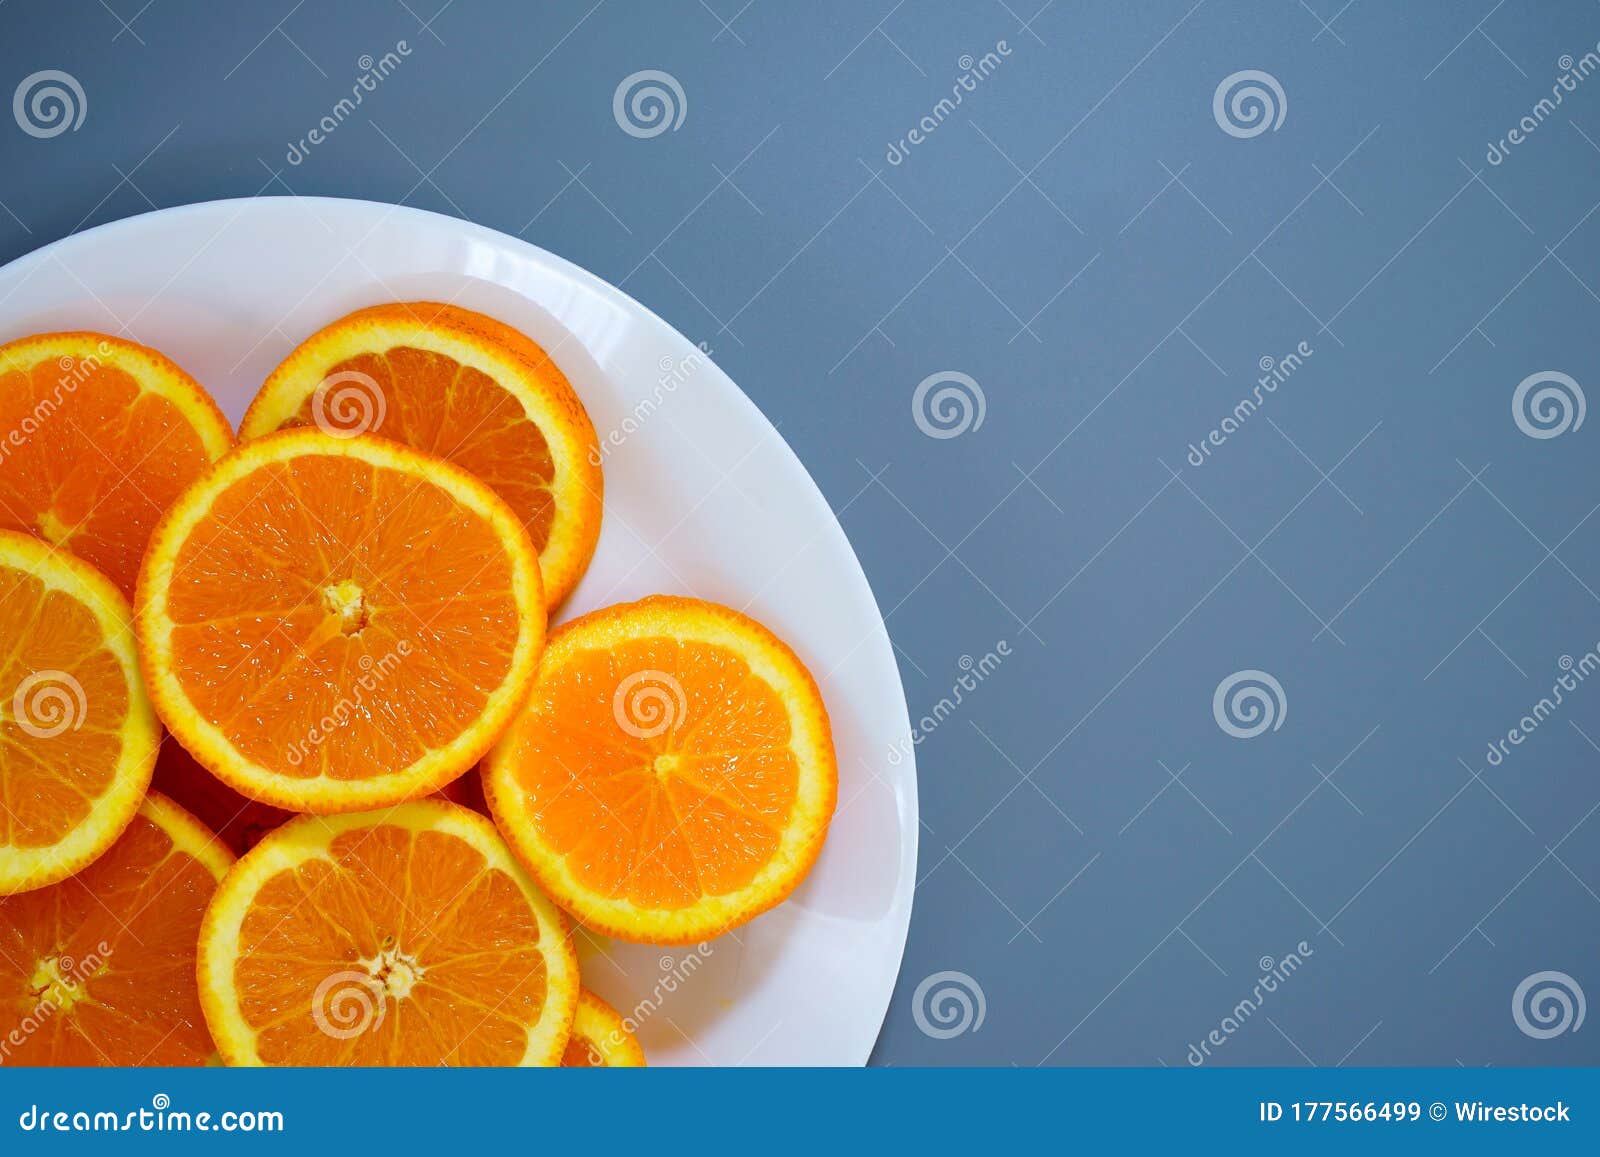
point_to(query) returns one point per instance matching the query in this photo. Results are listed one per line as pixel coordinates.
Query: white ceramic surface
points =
(702, 497)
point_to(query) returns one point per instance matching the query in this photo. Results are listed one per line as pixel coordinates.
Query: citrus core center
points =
(346, 601)
(52, 985)
(395, 971)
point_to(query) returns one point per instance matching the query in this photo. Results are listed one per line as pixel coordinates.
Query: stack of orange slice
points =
(339, 617)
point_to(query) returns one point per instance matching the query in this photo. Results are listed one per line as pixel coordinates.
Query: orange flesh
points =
(338, 618)
(435, 956)
(99, 969)
(91, 461)
(581, 1054)
(459, 413)
(659, 820)
(60, 745)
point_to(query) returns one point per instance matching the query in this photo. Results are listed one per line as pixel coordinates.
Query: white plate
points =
(702, 497)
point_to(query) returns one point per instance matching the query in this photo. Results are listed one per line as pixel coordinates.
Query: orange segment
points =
(330, 624)
(407, 936)
(673, 773)
(99, 969)
(466, 387)
(600, 1038)
(99, 436)
(77, 735)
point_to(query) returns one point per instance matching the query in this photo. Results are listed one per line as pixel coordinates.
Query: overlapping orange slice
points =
(468, 388)
(97, 437)
(600, 1038)
(330, 624)
(77, 736)
(98, 969)
(407, 936)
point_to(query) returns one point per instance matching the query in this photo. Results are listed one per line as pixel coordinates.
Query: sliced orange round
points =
(468, 388)
(600, 1038)
(332, 624)
(673, 773)
(77, 735)
(407, 936)
(97, 437)
(99, 968)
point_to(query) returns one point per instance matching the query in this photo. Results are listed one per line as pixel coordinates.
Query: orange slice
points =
(672, 775)
(77, 735)
(97, 437)
(330, 624)
(600, 1038)
(408, 936)
(99, 969)
(468, 388)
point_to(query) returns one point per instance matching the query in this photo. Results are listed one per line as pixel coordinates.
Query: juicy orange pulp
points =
(402, 948)
(63, 700)
(338, 618)
(660, 819)
(600, 1038)
(435, 404)
(99, 968)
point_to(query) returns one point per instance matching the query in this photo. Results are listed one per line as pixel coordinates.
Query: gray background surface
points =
(1082, 238)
